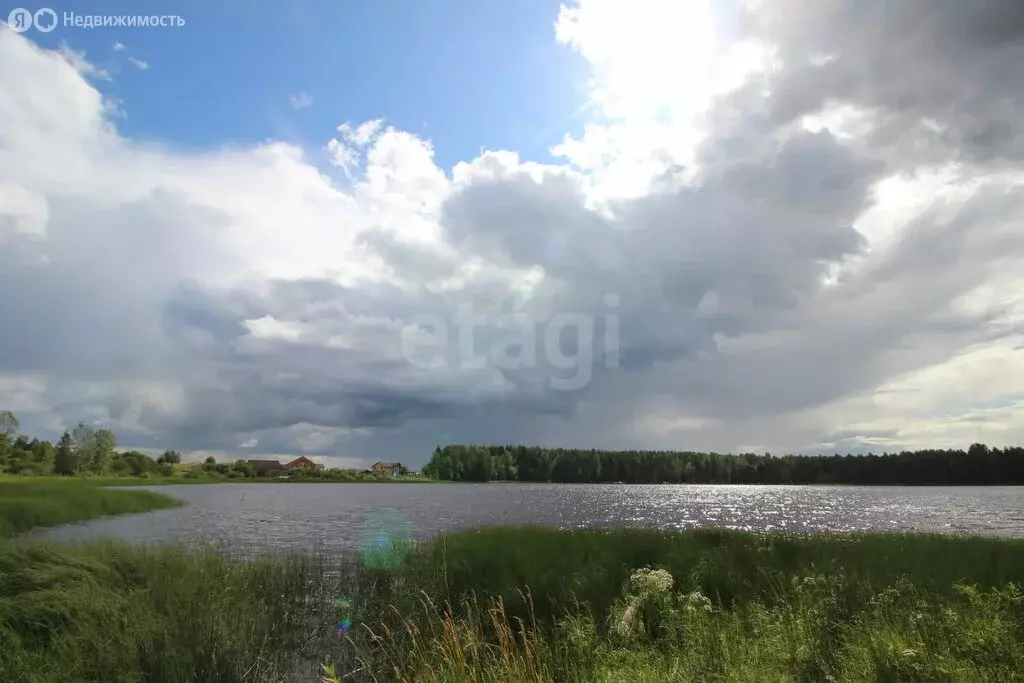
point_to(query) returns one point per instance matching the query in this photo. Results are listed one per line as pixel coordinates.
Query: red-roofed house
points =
(303, 463)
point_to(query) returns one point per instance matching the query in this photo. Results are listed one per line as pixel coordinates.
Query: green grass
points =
(159, 481)
(181, 480)
(743, 607)
(526, 604)
(213, 479)
(110, 612)
(49, 501)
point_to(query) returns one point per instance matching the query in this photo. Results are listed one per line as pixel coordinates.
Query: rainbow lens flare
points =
(386, 539)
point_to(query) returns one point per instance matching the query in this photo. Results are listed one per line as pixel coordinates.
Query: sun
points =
(657, 68)
(650, 58)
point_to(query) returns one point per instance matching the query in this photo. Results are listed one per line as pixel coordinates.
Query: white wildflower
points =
(698, 602)
(648, 581)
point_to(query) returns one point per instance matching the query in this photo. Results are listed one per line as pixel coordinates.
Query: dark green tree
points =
(8, 431)
(979, 465)
(103, 448)
(170, 456)
(64, 461)
(241, 468)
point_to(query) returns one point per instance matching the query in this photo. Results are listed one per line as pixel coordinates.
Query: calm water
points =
(256, 517)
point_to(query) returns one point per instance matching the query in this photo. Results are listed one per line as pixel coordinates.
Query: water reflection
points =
(258, 517)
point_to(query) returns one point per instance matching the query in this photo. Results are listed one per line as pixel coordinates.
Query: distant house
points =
(303, 463)
(265, 465)
(390, 468)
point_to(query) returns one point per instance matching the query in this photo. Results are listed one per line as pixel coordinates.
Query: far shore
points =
(130, 481)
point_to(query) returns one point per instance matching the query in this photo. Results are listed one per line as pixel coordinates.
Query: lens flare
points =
(386, 539)
(343, 607)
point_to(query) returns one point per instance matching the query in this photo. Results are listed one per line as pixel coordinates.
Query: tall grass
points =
(52, 501)
(737, 606)
(525, 604)
(110, 612)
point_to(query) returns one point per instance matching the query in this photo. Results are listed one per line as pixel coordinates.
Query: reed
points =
(51, 501)
(524, 604)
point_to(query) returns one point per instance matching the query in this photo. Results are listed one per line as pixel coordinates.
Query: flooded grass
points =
(52, 501)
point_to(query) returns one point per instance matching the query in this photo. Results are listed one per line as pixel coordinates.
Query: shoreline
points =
(185, 481)
(507, 603)
(27, 505)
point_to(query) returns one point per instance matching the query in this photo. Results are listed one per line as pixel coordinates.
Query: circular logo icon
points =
(45, 19)
(20, 19)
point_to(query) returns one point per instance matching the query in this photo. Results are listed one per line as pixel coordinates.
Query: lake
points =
(248, 518)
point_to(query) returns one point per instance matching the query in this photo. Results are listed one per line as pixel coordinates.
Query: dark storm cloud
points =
(757, 237)
(517, 217)
(891, 318)
(942, 76)
(240, 383)
(80, 303)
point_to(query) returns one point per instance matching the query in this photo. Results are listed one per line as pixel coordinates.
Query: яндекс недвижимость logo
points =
(43, 19)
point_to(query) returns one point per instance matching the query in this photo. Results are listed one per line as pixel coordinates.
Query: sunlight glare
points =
(650, 57)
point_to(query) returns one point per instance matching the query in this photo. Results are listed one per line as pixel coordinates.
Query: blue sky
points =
(464, 74)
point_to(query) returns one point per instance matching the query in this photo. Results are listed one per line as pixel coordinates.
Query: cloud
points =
(141, 65)
(79, 63)
(813, 248)
(352, 140)
(301, 100)
(916, 55)
(118, 46)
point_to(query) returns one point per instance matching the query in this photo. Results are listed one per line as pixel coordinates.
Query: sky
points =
(465, 75)
(356, 231)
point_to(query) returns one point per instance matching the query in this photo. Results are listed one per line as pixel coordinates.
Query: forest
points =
(978, 465)
(88, 451)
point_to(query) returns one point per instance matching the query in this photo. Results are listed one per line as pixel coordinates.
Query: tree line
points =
(83, 450)
(978, 465)
(86, 451)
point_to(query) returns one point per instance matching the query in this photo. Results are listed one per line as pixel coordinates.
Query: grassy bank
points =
(182, 480)
(526, 605)
(28, 503)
